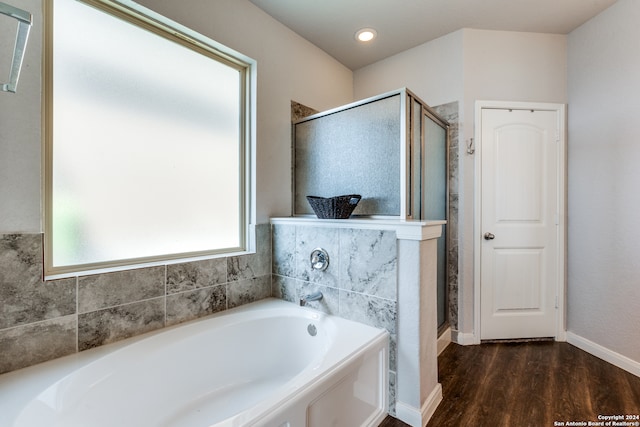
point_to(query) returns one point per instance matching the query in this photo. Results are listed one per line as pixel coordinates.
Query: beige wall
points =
(466, 66)
(20, 145)
(604, 173)
(434, 71)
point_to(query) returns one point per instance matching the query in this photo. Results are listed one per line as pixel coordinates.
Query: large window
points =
(148, 140)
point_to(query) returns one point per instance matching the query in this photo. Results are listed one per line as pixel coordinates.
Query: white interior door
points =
(519, 249)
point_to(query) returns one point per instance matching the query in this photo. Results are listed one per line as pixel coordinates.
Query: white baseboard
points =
(431, 404)
(463, 338)
(420, 417)
(444, 340)
(604, 353)
(408, 414)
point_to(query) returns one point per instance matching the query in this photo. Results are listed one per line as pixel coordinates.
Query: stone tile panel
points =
(195, 275)
(100, 291)
(27, 345)
(116, 323)
(190, 305)
(25, 297)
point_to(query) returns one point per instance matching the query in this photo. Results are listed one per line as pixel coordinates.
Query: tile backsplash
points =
(43, 320)
(360, 282)
(450, 112)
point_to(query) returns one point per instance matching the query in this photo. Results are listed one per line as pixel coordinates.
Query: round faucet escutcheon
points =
(319, 259)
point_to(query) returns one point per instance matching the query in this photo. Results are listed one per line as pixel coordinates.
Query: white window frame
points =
(175, 32)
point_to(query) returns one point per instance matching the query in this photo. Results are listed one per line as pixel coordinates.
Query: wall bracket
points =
(24, 25)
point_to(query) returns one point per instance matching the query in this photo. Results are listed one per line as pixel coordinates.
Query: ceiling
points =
(403, 24)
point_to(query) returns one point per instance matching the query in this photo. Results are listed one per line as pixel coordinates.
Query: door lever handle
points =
(489, 236)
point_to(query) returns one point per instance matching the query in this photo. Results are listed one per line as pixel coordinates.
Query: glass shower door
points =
(435, 196)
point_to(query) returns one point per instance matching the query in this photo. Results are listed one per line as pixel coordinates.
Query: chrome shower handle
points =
(319, 259)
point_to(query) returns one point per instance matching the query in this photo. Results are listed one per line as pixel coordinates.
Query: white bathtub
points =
(256, 365)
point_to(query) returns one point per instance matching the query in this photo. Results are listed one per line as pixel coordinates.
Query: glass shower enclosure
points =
(392, 149)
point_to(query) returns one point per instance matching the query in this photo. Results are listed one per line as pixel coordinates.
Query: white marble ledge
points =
(404, 229)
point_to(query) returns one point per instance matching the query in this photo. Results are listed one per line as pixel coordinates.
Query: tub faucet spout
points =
(316, 296)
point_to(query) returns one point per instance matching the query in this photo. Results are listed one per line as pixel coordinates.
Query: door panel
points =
(519, 205)
(520, 172)
(517, 275)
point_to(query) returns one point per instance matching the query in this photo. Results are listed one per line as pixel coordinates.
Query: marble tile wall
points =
(360, 283)
(300, 111)
(42, 320)
(450, 113)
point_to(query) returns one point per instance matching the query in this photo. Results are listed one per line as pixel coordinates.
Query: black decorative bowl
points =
(338, 207)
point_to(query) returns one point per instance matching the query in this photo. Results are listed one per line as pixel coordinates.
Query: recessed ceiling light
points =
(366, 35)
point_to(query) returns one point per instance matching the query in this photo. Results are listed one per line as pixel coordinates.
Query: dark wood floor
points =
(528, 384)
